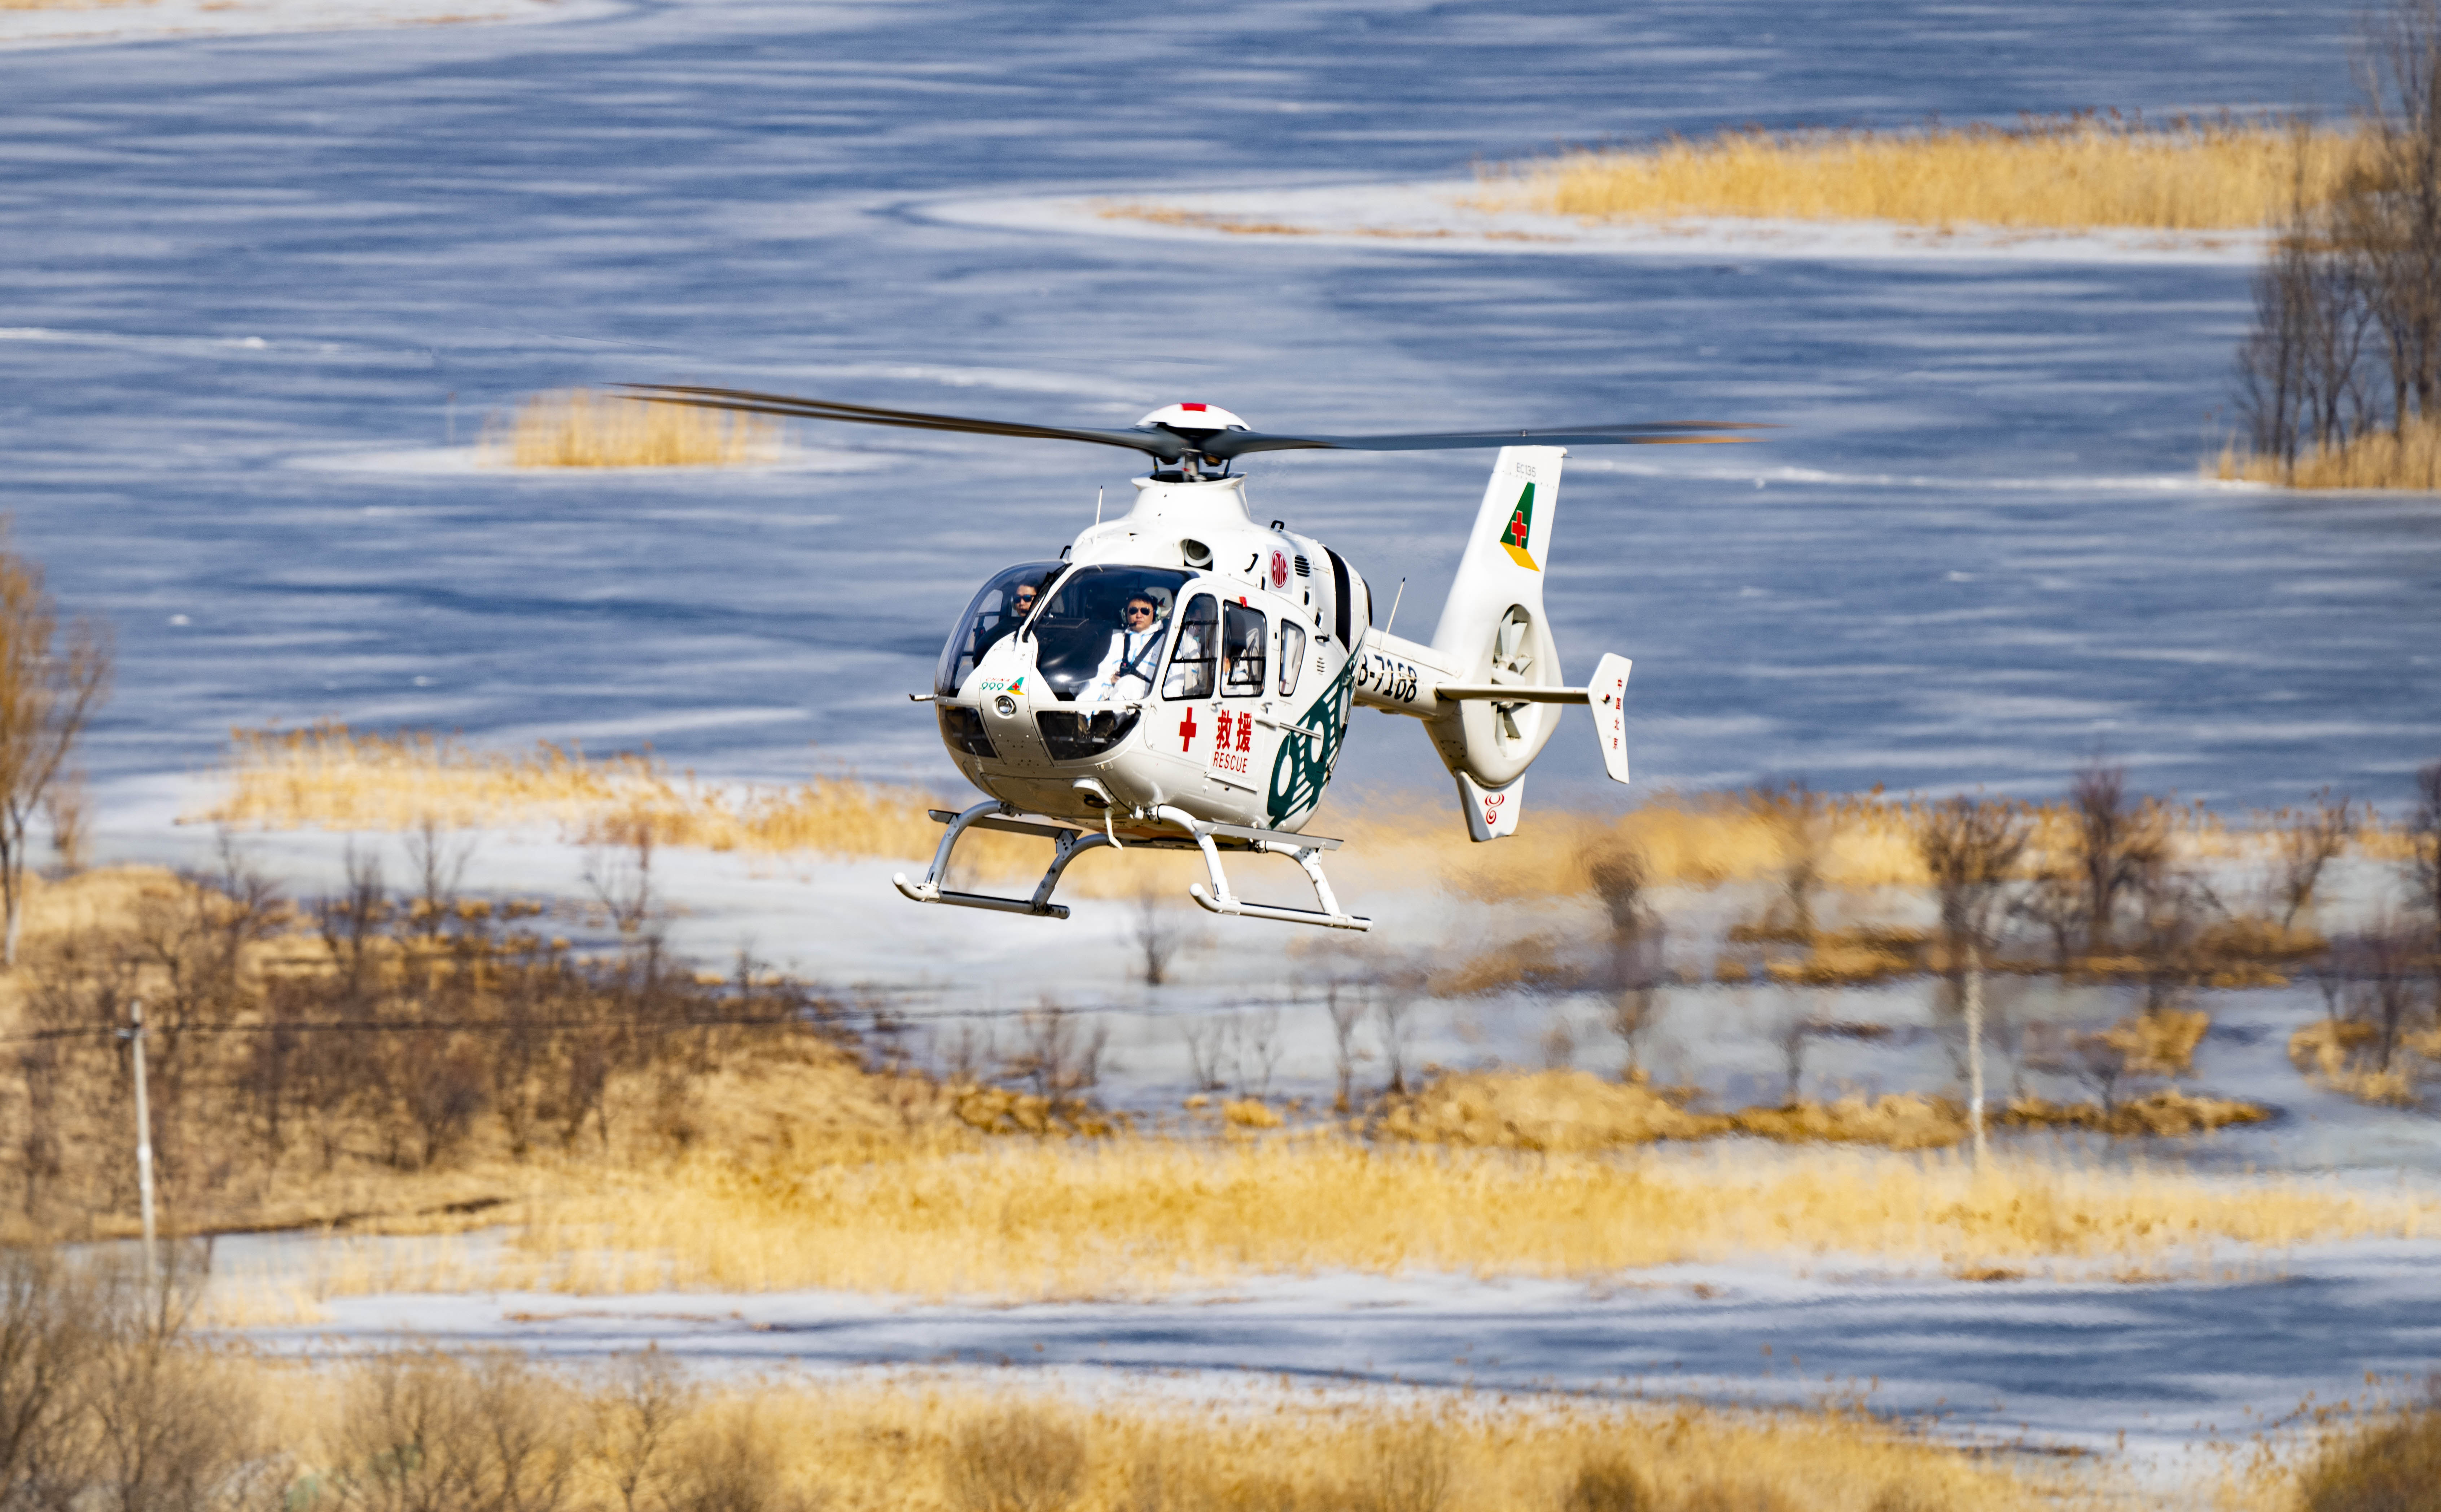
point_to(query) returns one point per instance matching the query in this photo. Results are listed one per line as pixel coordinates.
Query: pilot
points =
(1134, 656)
(1021, 604)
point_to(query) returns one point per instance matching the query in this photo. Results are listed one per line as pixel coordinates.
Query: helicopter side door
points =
(1242, 743)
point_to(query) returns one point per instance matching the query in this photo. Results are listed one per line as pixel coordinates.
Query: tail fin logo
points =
(1520, 531)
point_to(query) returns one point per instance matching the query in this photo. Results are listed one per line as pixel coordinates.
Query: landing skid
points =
(1178, 831)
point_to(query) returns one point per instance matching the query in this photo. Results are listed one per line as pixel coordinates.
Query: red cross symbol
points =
(1186, 730)
(1517, 527)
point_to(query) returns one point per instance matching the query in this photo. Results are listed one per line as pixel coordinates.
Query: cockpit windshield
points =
(998, 610)
(1100, 638)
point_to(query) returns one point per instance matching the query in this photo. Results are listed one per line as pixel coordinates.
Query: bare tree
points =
(1156, 933)
(1395, 1009)
(2174, 908)
(1972, 847)
(2116, 839)
(1620, 874)
(2424, 848)
(440, 865)
(2394, 208)
(1790, 1035)
(1801, 822)
(1259, 1060)
(2309, 841)
(351, 920)
(1347, 1005)
(1209, 1042)
(53, 680)
(619, 872)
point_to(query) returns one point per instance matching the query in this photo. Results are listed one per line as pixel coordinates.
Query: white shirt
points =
(1127, 668)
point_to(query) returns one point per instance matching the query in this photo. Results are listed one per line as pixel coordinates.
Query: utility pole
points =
(143, 1136)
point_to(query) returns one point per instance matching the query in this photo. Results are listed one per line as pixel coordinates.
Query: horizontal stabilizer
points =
(1608, 701)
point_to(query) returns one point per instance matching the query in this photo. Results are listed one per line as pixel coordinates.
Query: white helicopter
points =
(1181, 678)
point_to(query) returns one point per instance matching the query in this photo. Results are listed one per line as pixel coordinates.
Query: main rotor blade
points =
(1661, 433)
(1159, 443)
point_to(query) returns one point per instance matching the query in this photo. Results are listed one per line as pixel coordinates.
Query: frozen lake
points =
(254, 284)
(260, 294)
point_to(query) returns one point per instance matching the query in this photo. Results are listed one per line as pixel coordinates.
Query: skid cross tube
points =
(1220, 900)
(1068, 844)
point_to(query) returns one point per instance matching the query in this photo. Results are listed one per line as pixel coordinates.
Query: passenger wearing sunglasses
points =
(1127, 671)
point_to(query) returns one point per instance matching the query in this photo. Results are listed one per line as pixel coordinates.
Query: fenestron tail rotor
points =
(1177, 431)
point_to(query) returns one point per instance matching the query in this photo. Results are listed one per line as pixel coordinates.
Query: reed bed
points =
(2076, 172)
(330, 775)
(641, 1435)
(578, 427)
(1141, 1215)
(2376, 459)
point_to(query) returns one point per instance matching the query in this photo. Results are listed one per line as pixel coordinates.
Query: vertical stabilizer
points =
(1493, 629)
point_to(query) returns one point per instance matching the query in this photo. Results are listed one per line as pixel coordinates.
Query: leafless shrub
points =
(2424, 848)
(1017, 1462)
(2377, 971)
(68, 807)
(2308, 840)
(619, 872)
(966, 1056)
(1258, 1050)
(1210, 1044)
(1055, 1054)
(2098, 1060)
(425, 1432)
(1558, 1043)
(1609, 1485)
(646, 1401)
(51, 683)
(730, 1466)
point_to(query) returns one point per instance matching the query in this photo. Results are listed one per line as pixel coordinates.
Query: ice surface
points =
(256, 281)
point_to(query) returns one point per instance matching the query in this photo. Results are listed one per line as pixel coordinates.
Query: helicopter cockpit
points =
(1087, 621)
(993, 617)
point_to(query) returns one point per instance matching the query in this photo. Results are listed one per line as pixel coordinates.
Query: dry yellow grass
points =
(1140, 1214)
(338, 777)
(580, 428)
(919, 1443)
(2377, 460)
(2339, 1053)
(2066, 173)
(333, 777)
(1574, 1111)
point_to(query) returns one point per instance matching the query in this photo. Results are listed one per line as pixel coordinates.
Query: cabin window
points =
(1291, 654)
(1193, 659)
(1242, 650)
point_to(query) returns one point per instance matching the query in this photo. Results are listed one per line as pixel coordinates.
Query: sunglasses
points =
(1134, 609)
